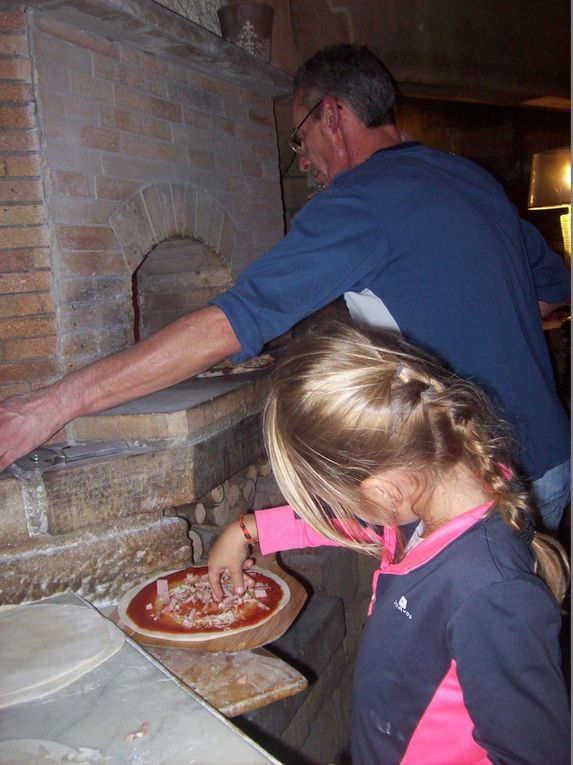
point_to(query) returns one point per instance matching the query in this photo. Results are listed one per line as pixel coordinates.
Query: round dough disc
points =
(46, 646)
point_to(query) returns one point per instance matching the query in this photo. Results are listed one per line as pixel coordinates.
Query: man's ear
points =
(330, 113)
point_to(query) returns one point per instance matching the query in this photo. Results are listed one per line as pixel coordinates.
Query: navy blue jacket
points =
(459, 663)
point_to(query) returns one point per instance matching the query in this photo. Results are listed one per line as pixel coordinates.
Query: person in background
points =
(459, 662)
(416, 240)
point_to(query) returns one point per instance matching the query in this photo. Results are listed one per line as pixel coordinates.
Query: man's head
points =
(343, 109)
(353, 74)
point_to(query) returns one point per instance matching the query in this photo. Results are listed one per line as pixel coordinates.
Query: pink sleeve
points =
(280, 529)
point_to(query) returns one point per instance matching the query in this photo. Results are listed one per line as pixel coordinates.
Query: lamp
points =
(550, 187)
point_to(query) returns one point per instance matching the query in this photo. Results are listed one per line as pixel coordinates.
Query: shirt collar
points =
(432, 545)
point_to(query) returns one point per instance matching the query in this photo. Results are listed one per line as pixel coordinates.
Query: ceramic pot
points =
(248, 25)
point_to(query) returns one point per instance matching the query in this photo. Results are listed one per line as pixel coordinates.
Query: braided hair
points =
(347, 404)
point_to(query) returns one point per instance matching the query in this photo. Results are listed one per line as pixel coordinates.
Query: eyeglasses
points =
(295, 141)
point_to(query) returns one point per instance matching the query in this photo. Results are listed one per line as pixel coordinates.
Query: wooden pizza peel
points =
(253, 637)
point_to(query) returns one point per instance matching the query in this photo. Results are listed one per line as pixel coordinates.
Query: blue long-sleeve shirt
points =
(429, 244)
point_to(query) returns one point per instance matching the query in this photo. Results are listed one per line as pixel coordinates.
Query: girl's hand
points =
(231, 553)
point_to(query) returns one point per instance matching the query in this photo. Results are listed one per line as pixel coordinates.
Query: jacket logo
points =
(401, 605)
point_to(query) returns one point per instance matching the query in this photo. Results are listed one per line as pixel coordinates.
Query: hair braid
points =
(349, 404)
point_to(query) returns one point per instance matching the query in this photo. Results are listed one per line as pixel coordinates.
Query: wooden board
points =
(254, 637)
(234, 683)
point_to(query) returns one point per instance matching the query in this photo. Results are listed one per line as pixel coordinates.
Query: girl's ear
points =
(382, 491)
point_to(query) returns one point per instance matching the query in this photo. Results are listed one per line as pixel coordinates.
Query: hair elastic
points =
(528, 530)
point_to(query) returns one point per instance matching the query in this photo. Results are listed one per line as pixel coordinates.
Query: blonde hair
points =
(347, 404)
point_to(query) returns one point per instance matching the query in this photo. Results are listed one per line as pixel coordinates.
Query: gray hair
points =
(353, 74)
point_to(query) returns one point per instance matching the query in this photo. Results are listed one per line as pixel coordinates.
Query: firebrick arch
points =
(164, 211)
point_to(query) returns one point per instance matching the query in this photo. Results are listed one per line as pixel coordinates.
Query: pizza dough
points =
(46, 646)
(227, 367)
(29, 751)
(32, 752)
(186, 635)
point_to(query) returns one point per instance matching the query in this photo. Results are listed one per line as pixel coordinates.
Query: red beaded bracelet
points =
(245, 530)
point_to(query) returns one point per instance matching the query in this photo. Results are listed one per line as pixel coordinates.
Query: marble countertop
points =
(132, 692)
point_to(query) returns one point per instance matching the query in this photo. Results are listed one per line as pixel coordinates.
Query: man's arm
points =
(182, 349)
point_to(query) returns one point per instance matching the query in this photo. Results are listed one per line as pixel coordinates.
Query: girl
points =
(459, 662)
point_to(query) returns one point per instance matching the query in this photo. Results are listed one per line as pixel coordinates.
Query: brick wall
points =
(124, 141)
(28, 345)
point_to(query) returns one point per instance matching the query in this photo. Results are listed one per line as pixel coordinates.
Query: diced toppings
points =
(187, 603)
(163, 590)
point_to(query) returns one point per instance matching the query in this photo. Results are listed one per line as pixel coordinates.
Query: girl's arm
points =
(275, 529)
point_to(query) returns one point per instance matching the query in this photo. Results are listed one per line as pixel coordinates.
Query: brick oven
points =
(139, 175)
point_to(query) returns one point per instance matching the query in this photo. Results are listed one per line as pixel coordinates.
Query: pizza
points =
(179, 605)
(224, 368)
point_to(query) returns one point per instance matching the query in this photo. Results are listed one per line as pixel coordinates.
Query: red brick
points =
(28, 304)
(139, 146)
(61, 105)
(136, 101)
(170, 153)
(114, 188)
(84, 237)
(72, 34)
(18, 140)
(91, 87)
(21, 215)
(198, 119)
(14, 350)
(60, 131)
(82, 212)
(12, 21)
(133, 78)
(132, 167)
(24, 260)
(26, 327)
(252, 168)
(99, 138)
(107, 289)
(167, 110)
(133, 123)
(36, 281)
(27, 370)
(23, 167)
(13, 45)
(16, 190)
(15, 69)
(16, 92)
(223, 124)
(17, 117)
(31, 236)
(72, 184)
(93, 263)
(200, 158)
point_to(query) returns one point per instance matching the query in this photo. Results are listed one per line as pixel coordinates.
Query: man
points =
(415, 239)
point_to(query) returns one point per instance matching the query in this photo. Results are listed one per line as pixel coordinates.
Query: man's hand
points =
(231, 553)
(180, 350)
(26, 421)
